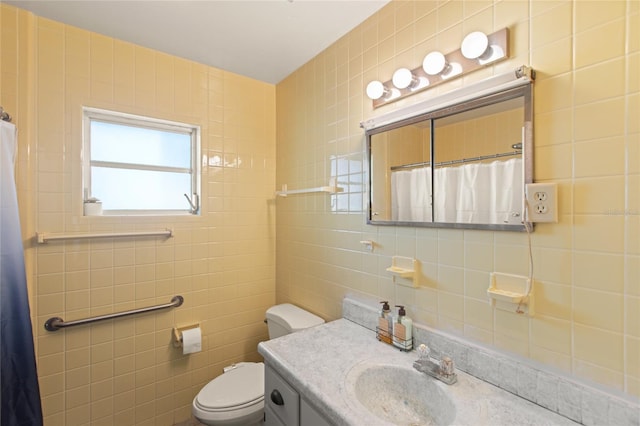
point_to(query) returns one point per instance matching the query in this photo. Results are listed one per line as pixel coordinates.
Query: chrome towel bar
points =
(56, 323)
(43, 237)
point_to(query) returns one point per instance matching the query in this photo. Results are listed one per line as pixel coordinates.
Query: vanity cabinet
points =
(309, 416)
(283, 405)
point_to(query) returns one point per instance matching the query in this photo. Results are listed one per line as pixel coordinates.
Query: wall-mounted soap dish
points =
(404, 267)
(512, 293)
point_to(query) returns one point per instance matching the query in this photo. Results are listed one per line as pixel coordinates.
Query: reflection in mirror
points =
(478, 176)
(393, 153)
(462, 166)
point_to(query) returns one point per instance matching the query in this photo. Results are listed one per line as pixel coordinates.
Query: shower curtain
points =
(411, 195)
(471, 193)
(20, 393)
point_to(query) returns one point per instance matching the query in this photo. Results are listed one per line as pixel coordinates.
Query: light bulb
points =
(474, 45)
(434, 63)
(376, 90)
(403, 78)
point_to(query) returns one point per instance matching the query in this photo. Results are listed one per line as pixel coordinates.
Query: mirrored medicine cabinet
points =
(461, 165)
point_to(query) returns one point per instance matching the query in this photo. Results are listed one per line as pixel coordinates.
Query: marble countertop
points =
(322, 363)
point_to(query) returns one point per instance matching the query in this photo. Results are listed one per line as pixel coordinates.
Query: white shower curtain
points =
(401, 195)
(446, 193)
(507, 201)
(471, 193)
(411, 195)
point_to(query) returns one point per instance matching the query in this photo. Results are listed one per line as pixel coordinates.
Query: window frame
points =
(90, 114)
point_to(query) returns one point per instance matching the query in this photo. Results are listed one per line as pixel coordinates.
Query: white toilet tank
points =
(287, 318)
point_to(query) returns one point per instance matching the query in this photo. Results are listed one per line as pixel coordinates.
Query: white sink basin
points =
(401, 396)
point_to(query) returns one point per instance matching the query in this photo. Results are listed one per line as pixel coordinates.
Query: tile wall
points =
(587, 140)
(587, 267)
(126, 372)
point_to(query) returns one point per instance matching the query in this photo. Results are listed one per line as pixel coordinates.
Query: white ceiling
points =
(263, 39)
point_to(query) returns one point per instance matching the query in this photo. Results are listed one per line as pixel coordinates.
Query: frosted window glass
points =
(124, 189)
(138, 145)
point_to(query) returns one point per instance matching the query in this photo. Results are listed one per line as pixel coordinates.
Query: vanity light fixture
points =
(517, 77)
(477, 50)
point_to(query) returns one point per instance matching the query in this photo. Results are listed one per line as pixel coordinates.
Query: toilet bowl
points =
(236, 398)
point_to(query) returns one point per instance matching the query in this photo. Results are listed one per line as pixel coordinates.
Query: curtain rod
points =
(462, 160)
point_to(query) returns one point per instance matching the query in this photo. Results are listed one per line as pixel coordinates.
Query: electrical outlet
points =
(542, 199)
(540, 196)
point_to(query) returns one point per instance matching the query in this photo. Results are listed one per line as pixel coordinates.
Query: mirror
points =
(461, 166)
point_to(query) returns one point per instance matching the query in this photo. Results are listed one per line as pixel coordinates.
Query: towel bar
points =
(43, 237)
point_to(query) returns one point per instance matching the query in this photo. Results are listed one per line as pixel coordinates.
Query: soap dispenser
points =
(403, 330)
(385, 323)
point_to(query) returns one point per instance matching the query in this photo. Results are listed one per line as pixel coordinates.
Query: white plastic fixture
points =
(542, 200)
(332, 188)
(404, 267)
(475, 45)
(514, 78)
(404, 78)
(434, 63)
(376, 90)
(512, 293)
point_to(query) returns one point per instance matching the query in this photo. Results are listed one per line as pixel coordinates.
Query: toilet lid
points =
(240, 386)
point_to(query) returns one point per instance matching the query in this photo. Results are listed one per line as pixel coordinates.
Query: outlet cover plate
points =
(542, 199)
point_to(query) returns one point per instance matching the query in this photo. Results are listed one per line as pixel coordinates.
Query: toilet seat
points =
(236, 389)
(235, 398)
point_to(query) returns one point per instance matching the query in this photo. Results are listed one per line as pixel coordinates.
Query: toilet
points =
(236, 398)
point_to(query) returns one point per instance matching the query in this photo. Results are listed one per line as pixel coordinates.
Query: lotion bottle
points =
(385, 323)
(403, 330)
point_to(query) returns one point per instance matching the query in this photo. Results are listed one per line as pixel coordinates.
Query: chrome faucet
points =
(442, 370)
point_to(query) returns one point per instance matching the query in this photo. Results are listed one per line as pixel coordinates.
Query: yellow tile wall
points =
(587, 56)
(587, 103)
(126, 372)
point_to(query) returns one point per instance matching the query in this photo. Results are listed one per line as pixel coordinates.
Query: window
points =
(140, 165)
(348, 172)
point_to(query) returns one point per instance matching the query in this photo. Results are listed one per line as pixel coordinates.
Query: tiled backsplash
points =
(558, 393)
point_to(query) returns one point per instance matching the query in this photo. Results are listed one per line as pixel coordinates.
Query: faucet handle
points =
(446, 366)
(424, 351)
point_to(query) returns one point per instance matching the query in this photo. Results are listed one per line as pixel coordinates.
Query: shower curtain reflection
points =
(471, 193)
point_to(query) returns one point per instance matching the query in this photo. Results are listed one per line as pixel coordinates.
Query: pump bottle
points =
(403, 330)
(385, 323)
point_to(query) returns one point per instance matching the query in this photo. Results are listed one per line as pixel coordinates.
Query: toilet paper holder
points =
(177, 333)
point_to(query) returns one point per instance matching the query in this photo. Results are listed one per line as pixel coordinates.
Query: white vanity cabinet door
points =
(270, 418)
(280, 398)
(309, 416)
